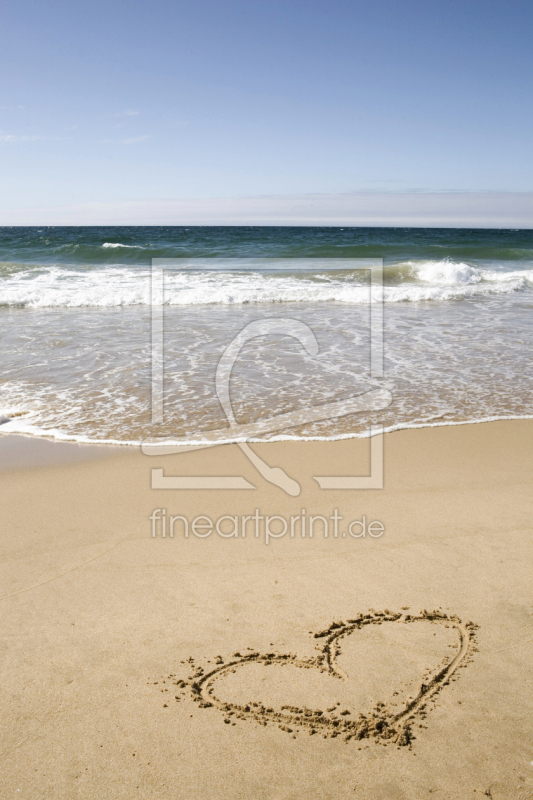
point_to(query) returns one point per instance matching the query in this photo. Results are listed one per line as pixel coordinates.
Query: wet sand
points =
(210, 665)
(18, 451)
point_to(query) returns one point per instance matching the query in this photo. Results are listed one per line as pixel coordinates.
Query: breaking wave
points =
(53, 287)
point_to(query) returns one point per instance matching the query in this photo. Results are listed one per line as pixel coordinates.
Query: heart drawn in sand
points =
(233, 687)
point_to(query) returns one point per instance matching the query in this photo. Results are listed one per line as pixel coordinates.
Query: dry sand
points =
(135, 666)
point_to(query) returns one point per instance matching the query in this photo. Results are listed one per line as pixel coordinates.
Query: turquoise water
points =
(75, 326)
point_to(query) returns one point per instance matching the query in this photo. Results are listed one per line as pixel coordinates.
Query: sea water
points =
(76, 337)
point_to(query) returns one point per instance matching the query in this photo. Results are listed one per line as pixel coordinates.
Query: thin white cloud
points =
(10, 137)
(421, 209)
(134, 139)
(130, 112)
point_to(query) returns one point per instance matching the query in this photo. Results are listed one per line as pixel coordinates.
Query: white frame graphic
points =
(376, 399)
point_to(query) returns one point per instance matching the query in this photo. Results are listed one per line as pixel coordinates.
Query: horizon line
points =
(392, 209)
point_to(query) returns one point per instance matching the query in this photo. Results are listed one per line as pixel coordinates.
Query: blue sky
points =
(109, 102)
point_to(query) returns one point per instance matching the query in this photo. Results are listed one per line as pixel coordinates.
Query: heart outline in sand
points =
(380, 724)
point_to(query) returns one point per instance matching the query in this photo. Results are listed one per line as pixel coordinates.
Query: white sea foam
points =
(448, 273)
(129, 246)
(24, 429)
(123, 286)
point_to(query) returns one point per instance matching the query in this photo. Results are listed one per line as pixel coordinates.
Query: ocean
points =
(76, 329)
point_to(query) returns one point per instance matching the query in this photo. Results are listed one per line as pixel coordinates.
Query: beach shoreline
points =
(99, 612)
(19, 451)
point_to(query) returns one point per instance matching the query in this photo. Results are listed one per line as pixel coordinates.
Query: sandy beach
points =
(115, 639)
(266, 401)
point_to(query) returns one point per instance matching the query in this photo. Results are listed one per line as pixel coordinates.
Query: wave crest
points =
(123, 286)
(448, 273)
(128, 246)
